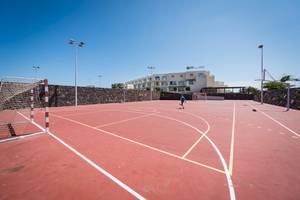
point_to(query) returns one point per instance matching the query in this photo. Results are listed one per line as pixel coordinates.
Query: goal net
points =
(22, 102)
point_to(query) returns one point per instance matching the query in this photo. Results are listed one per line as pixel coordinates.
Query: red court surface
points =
(154, 150)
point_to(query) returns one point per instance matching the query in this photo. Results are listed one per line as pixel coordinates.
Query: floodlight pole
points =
(262, 74)
(76, 58)
(77, 45)
(151, 68)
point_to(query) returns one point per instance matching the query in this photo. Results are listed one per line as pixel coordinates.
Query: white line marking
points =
(186, 124)
(100, 111)
(287, 128)
(228, 177)
(229, 181)
(20, 137)
(232, 141)
(193, 146)
(97, 167)
(139, 143)
(124, 120)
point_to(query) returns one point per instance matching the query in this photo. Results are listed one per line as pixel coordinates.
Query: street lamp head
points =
(72, 41)
(81, 44)
(260, 46)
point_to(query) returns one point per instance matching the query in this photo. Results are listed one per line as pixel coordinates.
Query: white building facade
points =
(180, 82)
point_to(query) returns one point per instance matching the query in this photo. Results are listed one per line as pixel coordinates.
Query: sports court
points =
(154, 150)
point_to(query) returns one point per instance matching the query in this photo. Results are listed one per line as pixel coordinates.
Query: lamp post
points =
(35, 68)
(151, 68)
(262, 74)
(76, 44)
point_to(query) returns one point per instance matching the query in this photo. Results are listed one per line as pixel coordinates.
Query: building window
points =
(200, 74)
(164, 78)
(172, 82)
(191, 74)
(157, 78)
(181, 75)
(164, 89)
(172, 76)
(173, 89)
(181, 89)
(187, 89)
(191, 82)
(164, 83)
(181, 83)
(157, 83)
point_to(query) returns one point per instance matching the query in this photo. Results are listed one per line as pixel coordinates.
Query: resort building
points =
(181, 82)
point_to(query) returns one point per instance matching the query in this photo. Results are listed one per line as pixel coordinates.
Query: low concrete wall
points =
(279, 97)
(233, 96)
(210, 96)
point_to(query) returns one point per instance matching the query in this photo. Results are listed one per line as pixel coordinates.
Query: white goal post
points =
(18, 98)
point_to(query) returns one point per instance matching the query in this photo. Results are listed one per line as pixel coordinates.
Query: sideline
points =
(232, 141)
(268, 116)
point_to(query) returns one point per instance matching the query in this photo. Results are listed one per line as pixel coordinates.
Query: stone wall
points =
(174, 96)
(65, 96)
(279, 97)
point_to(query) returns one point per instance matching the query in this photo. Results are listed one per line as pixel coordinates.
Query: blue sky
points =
(124, 37)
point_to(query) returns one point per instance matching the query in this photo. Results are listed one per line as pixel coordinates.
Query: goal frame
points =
(36, 82)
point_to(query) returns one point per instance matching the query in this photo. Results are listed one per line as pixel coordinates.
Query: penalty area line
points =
(140, 144)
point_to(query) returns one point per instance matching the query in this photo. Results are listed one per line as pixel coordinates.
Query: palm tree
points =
(286, 78)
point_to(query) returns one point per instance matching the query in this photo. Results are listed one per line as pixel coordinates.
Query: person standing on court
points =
(182, 100)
